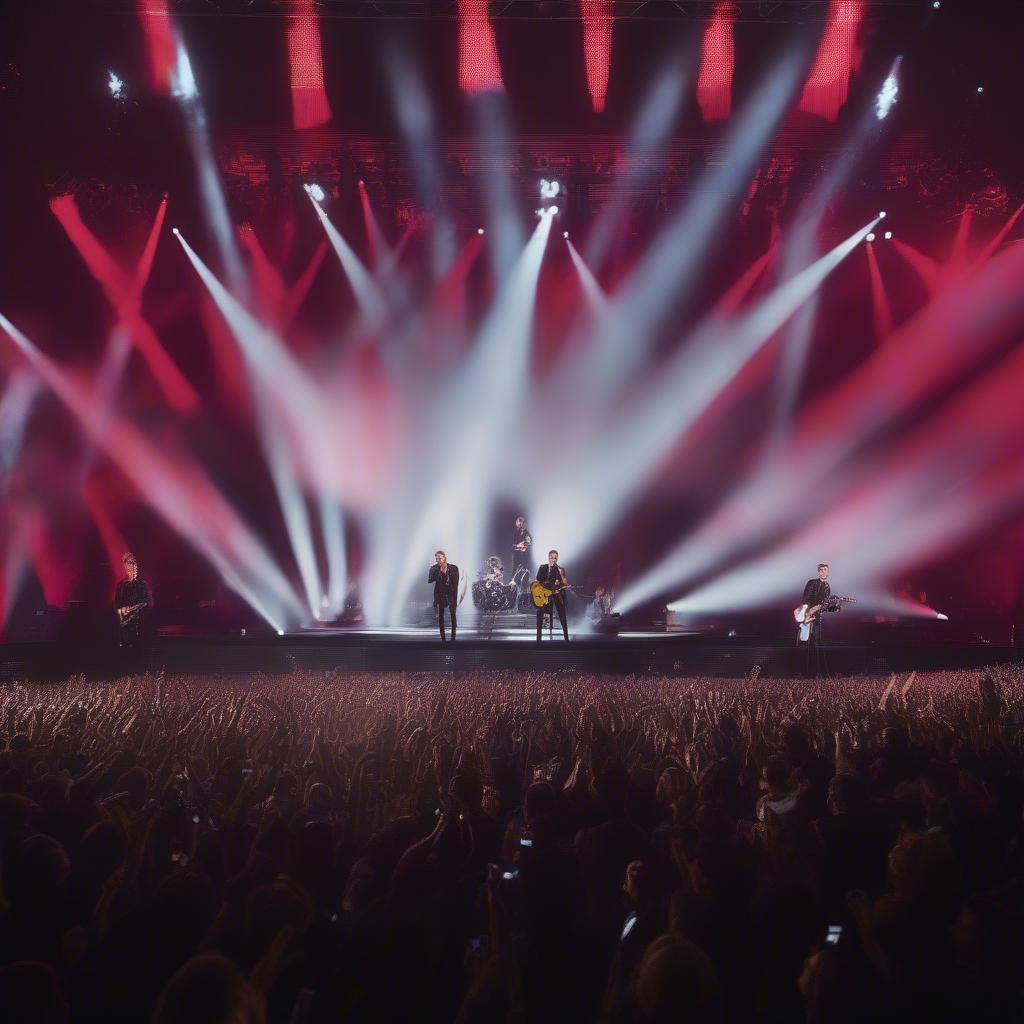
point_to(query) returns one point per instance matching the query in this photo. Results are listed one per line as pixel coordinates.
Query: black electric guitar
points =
(127, 615)
(806, 617)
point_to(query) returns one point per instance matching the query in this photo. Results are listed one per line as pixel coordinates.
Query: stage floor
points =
(420, 650)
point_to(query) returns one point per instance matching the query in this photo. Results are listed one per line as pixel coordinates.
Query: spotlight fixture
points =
(280, 632)
(565, 234)
(936, 4)
(887, 97)
(175, 231)
(315, 192)
(887, 235)
(871, 237)
(553, 210)
(115, 85)
(882, 214)
(479, 231)
(549, 189)
(941, 617)
(981, 88)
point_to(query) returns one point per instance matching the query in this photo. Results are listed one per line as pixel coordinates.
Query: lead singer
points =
(445, 578)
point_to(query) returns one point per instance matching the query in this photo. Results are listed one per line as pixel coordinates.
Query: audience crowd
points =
(510, 847)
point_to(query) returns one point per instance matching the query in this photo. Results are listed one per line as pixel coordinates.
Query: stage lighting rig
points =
(549, 189)
(315, 192)
(887, 97)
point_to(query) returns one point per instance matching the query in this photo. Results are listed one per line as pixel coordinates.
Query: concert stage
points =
(420, 650)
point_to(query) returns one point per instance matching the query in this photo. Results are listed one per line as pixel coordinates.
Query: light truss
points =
(766, 11)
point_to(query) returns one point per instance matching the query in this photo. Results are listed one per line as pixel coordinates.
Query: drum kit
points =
(492, 594)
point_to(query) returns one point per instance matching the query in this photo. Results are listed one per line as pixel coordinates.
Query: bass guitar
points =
(542, 593)
(806, 617)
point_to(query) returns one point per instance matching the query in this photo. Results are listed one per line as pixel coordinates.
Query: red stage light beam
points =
(924, 266)
(879, 297)
(958, 254)
(986, 254)
(598, 25)
(718, 61)
(113, 540)
(155, 19)
(270, 287)
(479, 68)
(838, 56)
(143, 270)
(309, 99)
(124, 293)
(733, 299)
(374, 240)
(296, 295)
(942, 342)
(176, 488)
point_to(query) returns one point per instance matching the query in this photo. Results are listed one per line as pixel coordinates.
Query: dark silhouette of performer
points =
(133, 601)
(445, 578)
(553, 575)
(521, 543)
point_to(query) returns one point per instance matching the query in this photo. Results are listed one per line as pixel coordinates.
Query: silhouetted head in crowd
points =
(676, 982)
(847, 794)
(209, 989)
(923, 871)
(30, 992)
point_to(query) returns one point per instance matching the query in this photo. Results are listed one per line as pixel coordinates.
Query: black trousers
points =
(440, 619)
(814, 664)
(555, 602)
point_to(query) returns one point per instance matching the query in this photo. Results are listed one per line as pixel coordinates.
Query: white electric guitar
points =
(806, 616)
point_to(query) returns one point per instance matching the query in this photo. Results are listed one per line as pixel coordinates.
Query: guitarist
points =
(552, 575)
(133, 602)
(817, 592)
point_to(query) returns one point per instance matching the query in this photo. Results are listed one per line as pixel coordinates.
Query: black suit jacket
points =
(552, 577)
(817, 591)
(131, 592)
(445, 596)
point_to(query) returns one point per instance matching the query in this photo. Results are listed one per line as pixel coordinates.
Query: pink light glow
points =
(598, 24)
(837, 59)
(718, 60)
(309, 100)
(479, 69)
